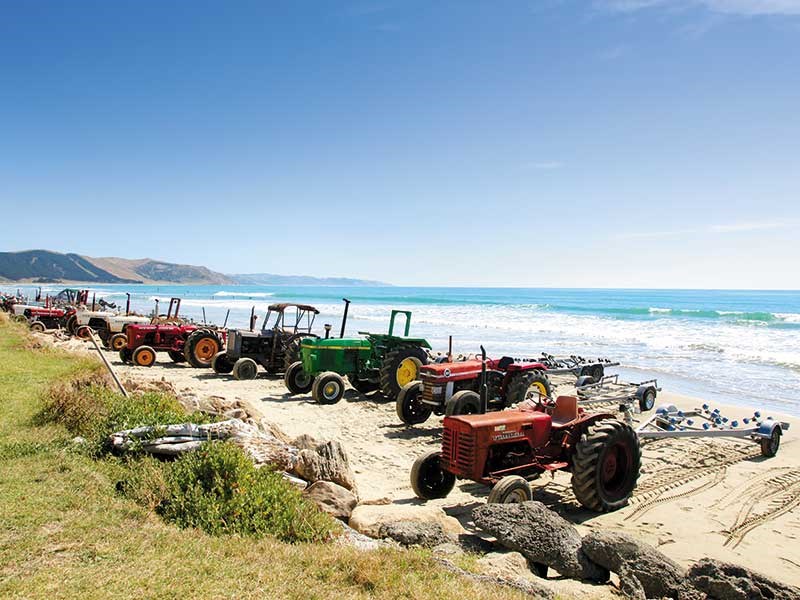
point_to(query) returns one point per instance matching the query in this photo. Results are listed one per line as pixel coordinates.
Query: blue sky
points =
(615, 143)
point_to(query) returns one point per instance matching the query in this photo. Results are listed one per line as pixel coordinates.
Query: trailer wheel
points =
(38, 326)
(428, 479)
(409, 404)
(200, 348)
(598, 371)
(125, 355)
(399, 367)
(770, 446)
(144, 356)
(245, 369)
(177, 357)
(221, 364)
(605, 466)
(297, 380)
(532, 384)
(362, 386)
(511, 489)
(647, 398)
(584, 380)
(465, 402)
(328, 388)
(118, 341)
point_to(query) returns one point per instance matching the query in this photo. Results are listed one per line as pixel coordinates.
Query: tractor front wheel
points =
(221, 364)
(465, 402)
(200, 348)
(428, 479)
(297, 380)
(245, 369)
(362, 386)
(605, 466)
(84, 332)
(409, 404)
(38, 326)
(328, 388)
(399, 367)
(118, 341)
(511, 489)
(71, 325)
(144, 356)
(531, 385)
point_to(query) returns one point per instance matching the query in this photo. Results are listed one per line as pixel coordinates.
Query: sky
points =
(607, 143)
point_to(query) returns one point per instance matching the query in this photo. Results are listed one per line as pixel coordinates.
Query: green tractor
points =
(379, 361)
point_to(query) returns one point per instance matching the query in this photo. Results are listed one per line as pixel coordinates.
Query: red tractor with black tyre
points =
(453, 388)
(508, 449)
(183, 342)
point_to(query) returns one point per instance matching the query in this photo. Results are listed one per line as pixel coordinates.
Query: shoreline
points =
(691, 491)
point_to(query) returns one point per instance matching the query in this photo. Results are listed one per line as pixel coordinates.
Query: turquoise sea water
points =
(731, 346)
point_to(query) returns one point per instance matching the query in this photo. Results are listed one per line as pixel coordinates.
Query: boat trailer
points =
(610, 390)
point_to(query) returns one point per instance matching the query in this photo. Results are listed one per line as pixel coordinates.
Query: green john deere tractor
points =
(379, 361)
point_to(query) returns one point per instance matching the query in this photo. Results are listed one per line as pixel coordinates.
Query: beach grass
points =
(66, 532)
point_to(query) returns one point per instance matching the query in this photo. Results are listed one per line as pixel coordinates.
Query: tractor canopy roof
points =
(281, 306)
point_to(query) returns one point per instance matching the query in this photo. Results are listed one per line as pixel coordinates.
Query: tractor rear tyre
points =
(399, 367)
(465, 402)
(38, 326)
(362, 386)
(428, 479)
(328, 388)
(409, 404)
(292, 352)
(221, 364)
(770, 446)
(177, 357)
(200, 348)
(533, 385)
(144, 356)
(118, 341)
(297, 380)
(125, 355)
(605, 466)
(511, 489)
(71, 324)
(245, 369)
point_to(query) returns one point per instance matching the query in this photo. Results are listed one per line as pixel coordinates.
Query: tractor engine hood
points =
(455, 371)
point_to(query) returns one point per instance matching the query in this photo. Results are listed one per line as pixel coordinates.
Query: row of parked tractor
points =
(503, 425)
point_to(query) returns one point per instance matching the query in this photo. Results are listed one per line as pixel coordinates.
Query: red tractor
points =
(452, 388)
(508, 448)
(196, 344)
(42, 319)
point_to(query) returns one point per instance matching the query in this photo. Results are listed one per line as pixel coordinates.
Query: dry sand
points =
(691, 492)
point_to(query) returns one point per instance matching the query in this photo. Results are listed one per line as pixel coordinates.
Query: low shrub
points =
(219, 490)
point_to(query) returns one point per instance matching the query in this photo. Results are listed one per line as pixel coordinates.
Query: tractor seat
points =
(505, 362)
(565, 411)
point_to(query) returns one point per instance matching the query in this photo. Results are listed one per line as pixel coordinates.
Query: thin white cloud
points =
(731, 7)
(546, 165)
(710, 229)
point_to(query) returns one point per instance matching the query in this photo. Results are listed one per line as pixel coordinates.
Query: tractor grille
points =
(458, 450)
(427, 392)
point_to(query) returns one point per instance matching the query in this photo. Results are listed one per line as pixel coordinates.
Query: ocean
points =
(740, 347)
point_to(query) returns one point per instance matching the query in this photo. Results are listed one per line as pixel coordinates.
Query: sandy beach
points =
(690, 495)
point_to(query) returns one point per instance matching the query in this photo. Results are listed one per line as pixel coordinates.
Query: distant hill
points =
(272, 279)
(40, 266)
(43, 265)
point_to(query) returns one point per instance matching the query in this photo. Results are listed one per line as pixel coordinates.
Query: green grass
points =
(65, 531)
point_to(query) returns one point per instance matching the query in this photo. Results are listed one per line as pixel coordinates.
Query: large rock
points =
(725, 581)
(658, 576)
(506, 565)
(368, 519)
(332, 498)
(327, 462)
(415, 533)
(541, 536)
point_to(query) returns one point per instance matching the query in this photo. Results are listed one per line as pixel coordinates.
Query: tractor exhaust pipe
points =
(344, 316)
(94, 297)
(252, 318)
(450, 349)
(227, 314)
(328, 328)
(128, 304)
(484, 387)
